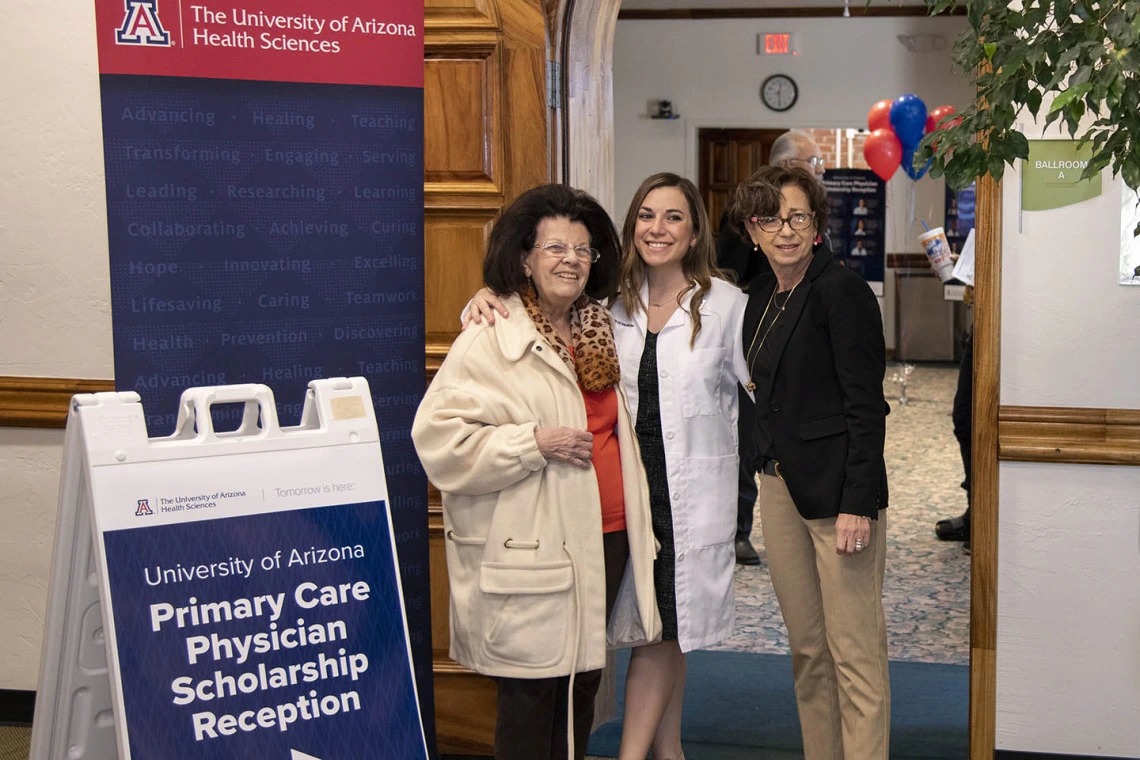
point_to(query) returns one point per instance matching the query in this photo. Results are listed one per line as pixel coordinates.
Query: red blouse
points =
(601, 421)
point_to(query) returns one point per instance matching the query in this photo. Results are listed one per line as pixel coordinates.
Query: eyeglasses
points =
(815, 162)
(559, 250)
(797, 221)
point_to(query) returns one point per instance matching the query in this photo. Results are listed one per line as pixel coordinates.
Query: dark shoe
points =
(745, 554)
(953, 529)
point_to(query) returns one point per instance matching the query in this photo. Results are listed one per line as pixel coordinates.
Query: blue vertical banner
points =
(857, 223)
(264, 169)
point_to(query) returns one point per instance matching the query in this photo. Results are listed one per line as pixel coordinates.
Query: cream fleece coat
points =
(523, 536)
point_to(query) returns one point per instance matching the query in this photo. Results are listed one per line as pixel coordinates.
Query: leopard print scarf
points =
(597, 364)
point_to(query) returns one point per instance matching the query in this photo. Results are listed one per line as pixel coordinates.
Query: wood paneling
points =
(984, 518)
(460, 96)
(460, 15)
(727, 157)
(42, 402)
(1073, 436)
(452, 273)
(485, 141)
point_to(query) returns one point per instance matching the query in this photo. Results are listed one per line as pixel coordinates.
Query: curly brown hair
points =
(759, 195)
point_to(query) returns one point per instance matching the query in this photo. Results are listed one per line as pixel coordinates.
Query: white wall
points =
(712, 74)
(1068, 648)
(54, 283)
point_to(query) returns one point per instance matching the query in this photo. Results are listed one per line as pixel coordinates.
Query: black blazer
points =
(737, 255)
(819, 389)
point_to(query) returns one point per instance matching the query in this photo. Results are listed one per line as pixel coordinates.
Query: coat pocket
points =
(711, 507)
(529, 610)
(701, 373)
(822, 427)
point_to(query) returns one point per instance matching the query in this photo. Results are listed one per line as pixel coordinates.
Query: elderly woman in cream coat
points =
(677, 328)
(526, 432)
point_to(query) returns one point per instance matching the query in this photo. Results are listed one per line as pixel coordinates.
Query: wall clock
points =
(779, 92)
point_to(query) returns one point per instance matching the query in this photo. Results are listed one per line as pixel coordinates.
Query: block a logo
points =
(141, 25)
(143, 508)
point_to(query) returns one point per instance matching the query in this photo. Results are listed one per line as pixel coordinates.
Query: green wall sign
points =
(1051, 176)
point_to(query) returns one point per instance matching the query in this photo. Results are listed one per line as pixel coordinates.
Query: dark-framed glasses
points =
(559, 250)
(797, 221)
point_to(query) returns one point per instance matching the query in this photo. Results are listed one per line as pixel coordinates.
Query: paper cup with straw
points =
(937, 249)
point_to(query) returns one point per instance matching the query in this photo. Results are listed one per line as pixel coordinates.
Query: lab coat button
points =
(669, 435)
(664, 373)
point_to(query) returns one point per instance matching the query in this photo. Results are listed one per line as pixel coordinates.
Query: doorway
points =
(587, 160)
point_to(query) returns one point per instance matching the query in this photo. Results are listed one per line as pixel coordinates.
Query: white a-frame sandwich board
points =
(226, 594)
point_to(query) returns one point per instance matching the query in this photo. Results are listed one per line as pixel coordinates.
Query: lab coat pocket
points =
(714, 490)
(529, 611)
(701, 374)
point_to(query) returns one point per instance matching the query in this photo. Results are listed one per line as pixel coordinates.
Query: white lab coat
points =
(699, 409)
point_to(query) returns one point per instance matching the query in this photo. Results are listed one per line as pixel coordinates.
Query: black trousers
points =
(963, 413)
(531, 721)
(746, 489)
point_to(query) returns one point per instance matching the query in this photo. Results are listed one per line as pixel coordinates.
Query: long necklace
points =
(751, 386)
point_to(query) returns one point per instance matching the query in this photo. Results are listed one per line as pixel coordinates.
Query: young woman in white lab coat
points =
(677, 326)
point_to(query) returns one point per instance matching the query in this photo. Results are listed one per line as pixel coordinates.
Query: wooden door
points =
(485, 141)
(728, 156)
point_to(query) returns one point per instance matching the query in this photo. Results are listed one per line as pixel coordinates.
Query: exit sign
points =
(776, 43)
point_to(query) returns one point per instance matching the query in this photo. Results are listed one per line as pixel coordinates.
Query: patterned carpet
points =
(926, 592)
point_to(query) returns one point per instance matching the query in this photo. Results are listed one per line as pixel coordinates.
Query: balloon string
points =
(912, 195)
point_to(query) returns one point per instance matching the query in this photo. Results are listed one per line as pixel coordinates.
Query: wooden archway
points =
(582, 40)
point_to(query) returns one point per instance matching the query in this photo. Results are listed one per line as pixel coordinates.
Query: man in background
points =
(794, 148)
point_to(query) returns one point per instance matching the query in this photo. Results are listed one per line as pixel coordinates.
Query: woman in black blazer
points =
(813, 338)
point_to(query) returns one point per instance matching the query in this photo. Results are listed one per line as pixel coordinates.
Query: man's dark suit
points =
(819, 389)
(739, 256)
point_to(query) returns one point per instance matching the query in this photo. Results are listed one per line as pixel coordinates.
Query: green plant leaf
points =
(1033, 101)
(1019, 145)
(1069, 96)
(990, 48)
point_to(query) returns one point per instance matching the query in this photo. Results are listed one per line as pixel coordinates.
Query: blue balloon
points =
(908, 120)
(908, 164)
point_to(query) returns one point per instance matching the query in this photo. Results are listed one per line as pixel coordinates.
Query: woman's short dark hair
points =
(514, 235)
(759, 195)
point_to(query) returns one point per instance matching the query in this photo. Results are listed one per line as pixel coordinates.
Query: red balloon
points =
(879, 117)
(883, 152)
(936, 115)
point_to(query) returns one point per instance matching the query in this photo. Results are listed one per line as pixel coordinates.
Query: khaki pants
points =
(833, 609)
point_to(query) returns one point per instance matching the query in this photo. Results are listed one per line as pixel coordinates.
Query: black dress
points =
(652, 444)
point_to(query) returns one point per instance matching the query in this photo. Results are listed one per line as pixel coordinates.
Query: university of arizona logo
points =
(144, 508)
(141, 26)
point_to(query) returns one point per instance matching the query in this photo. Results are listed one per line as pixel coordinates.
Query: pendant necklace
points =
(752, 354)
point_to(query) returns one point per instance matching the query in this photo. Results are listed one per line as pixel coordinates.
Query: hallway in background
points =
(926, 594)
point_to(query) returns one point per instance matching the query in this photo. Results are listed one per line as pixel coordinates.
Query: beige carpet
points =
(15, 742)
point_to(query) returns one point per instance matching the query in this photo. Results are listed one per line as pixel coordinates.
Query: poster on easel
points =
(265, 203)
(247, 586)
(857, 223)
